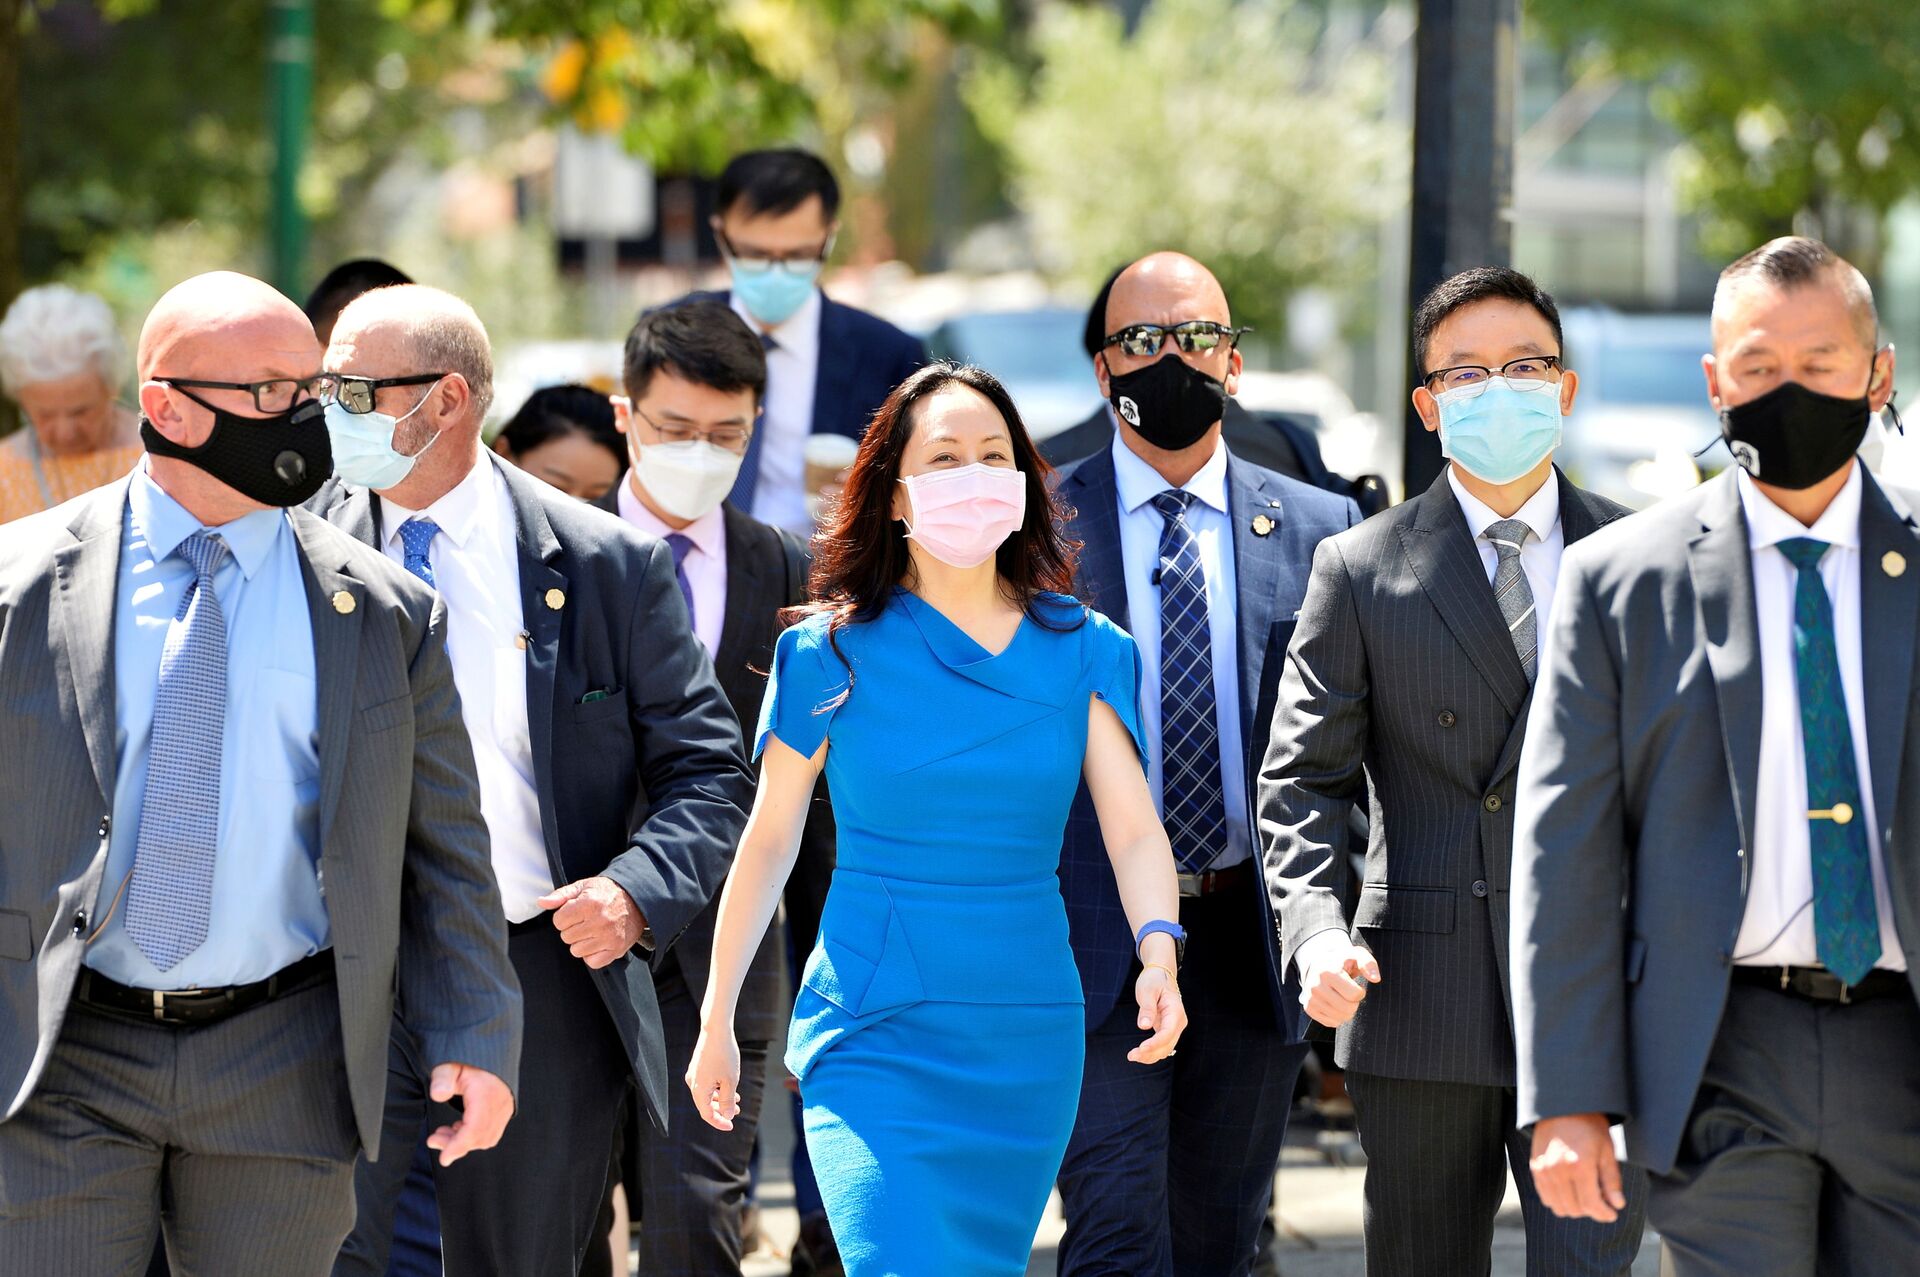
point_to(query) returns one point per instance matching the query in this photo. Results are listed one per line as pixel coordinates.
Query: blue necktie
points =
(1191, 789)
(171, 894)
(680, 545)
(749, 478)
(1846, 925)
(416, 538)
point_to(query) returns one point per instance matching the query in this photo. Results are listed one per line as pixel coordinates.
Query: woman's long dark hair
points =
(860, 553)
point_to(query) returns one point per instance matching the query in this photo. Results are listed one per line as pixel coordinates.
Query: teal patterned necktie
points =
(1846, 925)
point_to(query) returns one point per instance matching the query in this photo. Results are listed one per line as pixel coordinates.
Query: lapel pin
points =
(556, 599)
(343, 602)
(1893, 563)
(1262, 525)
(520, 640)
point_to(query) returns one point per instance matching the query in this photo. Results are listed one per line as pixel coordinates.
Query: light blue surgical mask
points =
(1499, 433)
(363, 452)
(773, 293)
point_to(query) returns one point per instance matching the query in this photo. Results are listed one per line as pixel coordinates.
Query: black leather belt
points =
(197, 1007)
(1817, 984)
(1212, 880)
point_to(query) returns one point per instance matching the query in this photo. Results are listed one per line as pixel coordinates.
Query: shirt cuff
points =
(1313, 952)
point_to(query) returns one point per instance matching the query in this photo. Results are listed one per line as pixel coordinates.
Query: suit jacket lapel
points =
(1720, 562)
(1440, 549)
(833, 373)
(1889, 616)
(541, 583)
(745, 622)
(1102, 572)
(336, 601)
(1256, 579)
(88, 573)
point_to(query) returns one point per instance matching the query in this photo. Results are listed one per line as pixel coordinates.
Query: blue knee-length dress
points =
(938, 1033)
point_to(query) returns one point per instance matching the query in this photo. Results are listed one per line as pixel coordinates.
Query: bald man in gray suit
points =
(241, 810)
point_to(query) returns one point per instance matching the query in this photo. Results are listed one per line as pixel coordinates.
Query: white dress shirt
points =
(705, 564)
(1137, 484)
(476, 569)
(1539, 556)
(1777, 929)
(793, 369)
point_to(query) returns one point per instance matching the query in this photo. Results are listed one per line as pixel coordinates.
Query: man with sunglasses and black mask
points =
(1203, 558)
(829, 366)
(583, 688)
(1725, 735)
(1408, 684)
(241, 806)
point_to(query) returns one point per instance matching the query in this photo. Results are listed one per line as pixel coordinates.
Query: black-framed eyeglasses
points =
(356, 394)
(1537, 371)
(1196, 336)
(732, 438)
(272, 396)
(792, 263)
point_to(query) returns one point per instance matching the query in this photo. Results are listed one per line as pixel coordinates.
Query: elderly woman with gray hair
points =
(61, 360)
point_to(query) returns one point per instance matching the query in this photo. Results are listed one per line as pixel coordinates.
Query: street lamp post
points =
(1466, 69)
(289, 101)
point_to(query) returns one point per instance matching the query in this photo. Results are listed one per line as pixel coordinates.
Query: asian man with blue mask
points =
(1410, 674)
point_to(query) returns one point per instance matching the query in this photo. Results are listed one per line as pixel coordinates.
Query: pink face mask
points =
(962, 516)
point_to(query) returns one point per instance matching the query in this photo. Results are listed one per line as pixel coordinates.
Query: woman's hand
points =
(714, 1077)
(1160, 1010)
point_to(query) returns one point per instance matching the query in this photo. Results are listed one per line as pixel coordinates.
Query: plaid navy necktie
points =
(1846, 924)
(170, 897)
(680, 545)
(1191, 788)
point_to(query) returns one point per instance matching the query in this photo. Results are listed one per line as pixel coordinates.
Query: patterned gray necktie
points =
(1512, 593)
(171, 895)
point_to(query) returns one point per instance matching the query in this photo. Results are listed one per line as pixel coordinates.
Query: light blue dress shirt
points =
(1140, 526)
(267, 908)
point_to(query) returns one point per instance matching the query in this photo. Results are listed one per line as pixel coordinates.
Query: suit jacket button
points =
(1480, 888)
(80, 923)
(1492, 803)
(1447, 719)
(106, 823)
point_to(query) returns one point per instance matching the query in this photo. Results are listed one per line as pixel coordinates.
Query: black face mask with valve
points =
(1170, 402)
(279, 460)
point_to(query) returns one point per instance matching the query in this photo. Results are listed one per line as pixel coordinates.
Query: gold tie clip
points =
(1839, 814)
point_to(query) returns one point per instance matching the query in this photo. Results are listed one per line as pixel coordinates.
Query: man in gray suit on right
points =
(1409, 678)
(1717, 869)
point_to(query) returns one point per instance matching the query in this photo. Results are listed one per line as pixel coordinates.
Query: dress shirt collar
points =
(458, 513)
(1540, 512)
(798, 334)
(1139, 483)
(708, 532)
(166, 523)
(1768, 524)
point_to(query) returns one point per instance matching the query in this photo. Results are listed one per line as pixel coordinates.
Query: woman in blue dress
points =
(955, 698)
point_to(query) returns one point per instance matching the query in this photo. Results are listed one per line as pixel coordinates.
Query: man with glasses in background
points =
(1203, 558)
(694, 378)
(1409, 679)
(829, 366)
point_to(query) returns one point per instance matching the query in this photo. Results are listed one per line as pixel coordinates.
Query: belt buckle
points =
(1192, 884)
(160, 1007)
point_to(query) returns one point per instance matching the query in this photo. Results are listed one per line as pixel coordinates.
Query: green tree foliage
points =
(1216, 128)
(1794, 116)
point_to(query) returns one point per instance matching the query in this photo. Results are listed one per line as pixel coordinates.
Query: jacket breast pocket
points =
(16, 935)
(1391, 907)
(387, 715)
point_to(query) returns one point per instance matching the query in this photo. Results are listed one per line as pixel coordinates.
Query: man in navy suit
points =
(828, 365)
(1204, 559)
(583, 688)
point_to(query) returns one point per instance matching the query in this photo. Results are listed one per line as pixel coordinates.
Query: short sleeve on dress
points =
(803, 689)
(1113, 667)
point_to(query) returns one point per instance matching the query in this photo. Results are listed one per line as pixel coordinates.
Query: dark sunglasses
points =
(356, 394)
(1196, 336)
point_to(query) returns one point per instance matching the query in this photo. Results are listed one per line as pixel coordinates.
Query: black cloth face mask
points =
(1792, 437)
(1170, 402)
(279, 460)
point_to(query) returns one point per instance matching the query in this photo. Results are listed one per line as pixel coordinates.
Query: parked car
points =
(1035, 352)
(1642, 412)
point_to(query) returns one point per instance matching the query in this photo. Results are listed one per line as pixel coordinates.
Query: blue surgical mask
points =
(1500, 433)
(363, 452)
(772, 293)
